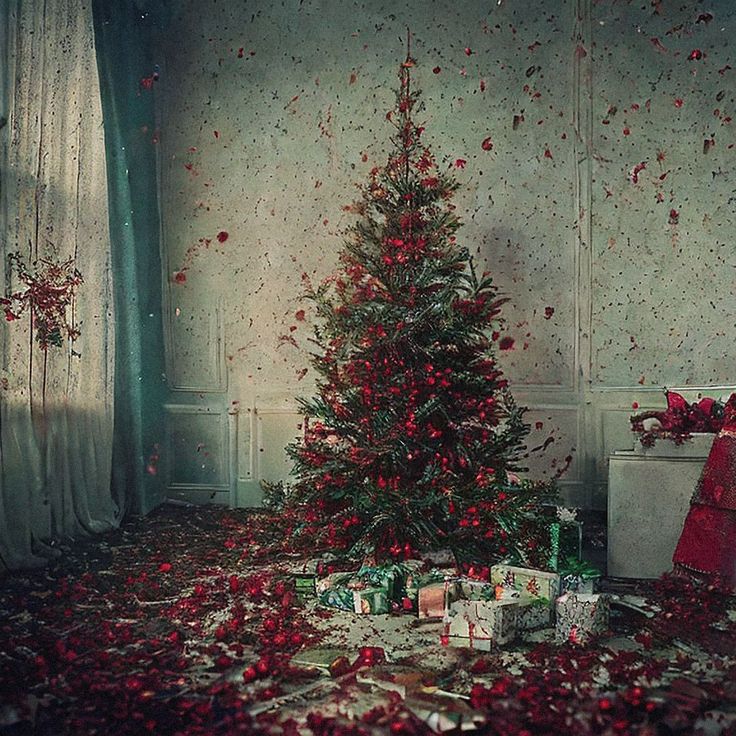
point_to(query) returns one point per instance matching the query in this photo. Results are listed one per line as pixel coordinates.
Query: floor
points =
(186, 622)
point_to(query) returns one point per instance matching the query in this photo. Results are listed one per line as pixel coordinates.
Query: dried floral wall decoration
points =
(48, 295)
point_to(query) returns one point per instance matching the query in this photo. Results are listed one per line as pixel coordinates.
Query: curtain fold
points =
(56, 393)
(126, 37)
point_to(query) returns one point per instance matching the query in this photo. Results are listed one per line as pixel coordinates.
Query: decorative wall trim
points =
(215, 345)
(221, 426)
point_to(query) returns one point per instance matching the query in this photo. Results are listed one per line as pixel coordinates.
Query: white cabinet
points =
(649, 492)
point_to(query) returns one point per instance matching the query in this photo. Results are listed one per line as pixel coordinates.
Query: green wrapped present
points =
(578, 576)
(566, 541)
(373, 600)
(350, 592)
(304, 586)
(390, 577)
(413, 582)
(333, 591)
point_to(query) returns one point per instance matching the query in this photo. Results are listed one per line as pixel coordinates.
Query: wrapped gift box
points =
(577, 584)
(481, 624)
(371, 600)
(390, 577)
(533, 613)
(476, 590)
(434, 598)
(349, 593)
(337, 596)
(536, 584)
(566, 542)
(578, 576)
(580, 617)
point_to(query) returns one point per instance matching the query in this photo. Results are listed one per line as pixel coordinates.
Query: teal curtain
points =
(126, 38)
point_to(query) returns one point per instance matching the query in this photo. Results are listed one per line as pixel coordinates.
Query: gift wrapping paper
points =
(581, 617)
(529, 583)
(482, 623)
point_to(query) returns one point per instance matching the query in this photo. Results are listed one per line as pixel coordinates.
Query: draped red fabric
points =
(708, 540)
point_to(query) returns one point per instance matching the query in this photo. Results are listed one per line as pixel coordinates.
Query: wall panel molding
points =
(196, 452)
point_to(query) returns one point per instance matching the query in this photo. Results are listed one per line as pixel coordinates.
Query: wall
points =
(271, 113)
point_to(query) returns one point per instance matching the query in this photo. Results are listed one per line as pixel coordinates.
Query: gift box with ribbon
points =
(578, 576)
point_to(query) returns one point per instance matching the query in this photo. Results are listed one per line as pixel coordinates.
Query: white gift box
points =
(479, 624)
(581, 616)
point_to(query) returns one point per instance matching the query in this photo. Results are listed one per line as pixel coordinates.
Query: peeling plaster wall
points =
(271, 114)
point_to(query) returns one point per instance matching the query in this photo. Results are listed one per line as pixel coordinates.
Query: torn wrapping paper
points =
(327, 661)
(403, 681)
(481, 624)
(444, 714)
(581, 617)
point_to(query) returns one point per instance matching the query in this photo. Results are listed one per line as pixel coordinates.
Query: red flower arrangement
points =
(48, 292)
(680, 419)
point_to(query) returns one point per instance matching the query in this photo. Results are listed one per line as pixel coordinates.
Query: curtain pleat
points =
(126, 37)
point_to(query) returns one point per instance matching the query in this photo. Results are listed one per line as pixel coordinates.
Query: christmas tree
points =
(413, 438)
